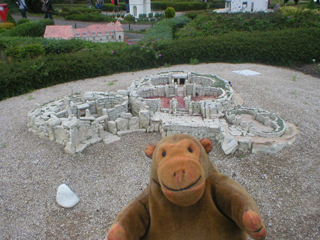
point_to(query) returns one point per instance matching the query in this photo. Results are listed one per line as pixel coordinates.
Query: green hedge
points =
(21, 77)
(50, 46)
(34, 28)
(285, 47)
(90, 17)
(179, 6)
(213, 24)
(165, 29)
(109, 7)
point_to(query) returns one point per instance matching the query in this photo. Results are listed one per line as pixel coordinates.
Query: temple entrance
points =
(179, 81)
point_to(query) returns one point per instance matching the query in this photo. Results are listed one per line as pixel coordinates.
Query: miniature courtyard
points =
(167, 103)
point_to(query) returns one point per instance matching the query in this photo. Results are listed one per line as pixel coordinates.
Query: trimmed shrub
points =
(130, 18)
(284, 47)
(90, 17)
(109, 7)
(169, 12)
(165, 29)
(30, 29)
(53, 46)
(213, 24)
(6, 25)
(22, 77)
(191, 15)
(22, 21)
(25, 51)
(216, 4)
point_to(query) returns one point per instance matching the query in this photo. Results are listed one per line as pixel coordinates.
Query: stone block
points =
(134, 123)
(144, 119)
(126, 115)
(112, 127)
(229, 147)
(122, 124)
(244, 145)
(121, 133)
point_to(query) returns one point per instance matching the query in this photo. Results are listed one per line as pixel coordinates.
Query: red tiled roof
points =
(64, 32)
(67, 32)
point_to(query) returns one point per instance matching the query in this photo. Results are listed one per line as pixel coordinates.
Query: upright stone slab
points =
(122, 124)
(112, 127)
(134, 123)
(144, 119)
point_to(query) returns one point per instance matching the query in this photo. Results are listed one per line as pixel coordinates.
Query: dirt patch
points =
(310, 69)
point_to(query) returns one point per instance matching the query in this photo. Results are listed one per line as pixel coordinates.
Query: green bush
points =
(34, 28)
(109, 7)
(216, 4)
(165, 29)
(191, 15)
(169, 12)
(130, 18)
(159, 15)
(22, 21)
(25, 51)
(53, 46)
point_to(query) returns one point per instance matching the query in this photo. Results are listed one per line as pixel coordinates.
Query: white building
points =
(246, 6)
(138, 7)
(111, 32)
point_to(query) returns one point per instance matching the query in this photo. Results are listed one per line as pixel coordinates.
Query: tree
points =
(169, 12)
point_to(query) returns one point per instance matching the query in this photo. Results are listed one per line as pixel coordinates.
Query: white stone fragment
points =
(144, 117)
(65, 197)
(122, 124)
(112, 127)
(134, 123)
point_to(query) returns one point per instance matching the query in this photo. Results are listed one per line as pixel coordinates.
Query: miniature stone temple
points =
(201, 105)
(138, 7)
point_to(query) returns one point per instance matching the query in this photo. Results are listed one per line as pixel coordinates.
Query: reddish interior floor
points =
(165, 101)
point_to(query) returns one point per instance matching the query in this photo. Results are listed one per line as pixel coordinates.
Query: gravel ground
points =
(106, 177)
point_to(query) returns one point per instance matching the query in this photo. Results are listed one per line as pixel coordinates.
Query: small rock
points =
(65, 197)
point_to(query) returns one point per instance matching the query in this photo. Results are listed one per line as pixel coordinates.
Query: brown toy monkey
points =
(188, 199)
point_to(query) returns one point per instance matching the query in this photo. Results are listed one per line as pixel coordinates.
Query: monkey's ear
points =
(149, 150)
(207, 144)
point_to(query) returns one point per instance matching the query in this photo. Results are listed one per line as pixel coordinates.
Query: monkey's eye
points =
(190, 149)
(164, 153)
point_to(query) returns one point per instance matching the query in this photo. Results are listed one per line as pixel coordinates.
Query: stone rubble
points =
(82, 119)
